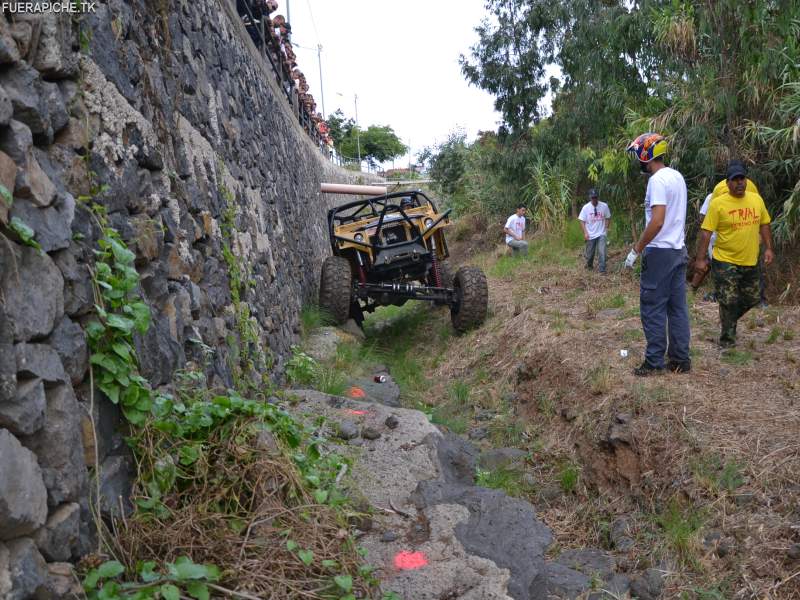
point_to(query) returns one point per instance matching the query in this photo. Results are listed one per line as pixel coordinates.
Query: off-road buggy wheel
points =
(335, 288)
(447, 278)
(471, 299)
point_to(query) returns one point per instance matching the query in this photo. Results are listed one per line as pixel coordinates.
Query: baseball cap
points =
(736, 168)
(593, 193)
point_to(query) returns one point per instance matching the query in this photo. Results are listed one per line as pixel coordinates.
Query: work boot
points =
(680, 366)
(646, 370)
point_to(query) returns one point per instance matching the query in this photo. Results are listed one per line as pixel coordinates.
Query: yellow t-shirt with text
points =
(737, 222)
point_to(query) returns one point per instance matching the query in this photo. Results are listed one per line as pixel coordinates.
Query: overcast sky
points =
(400, 57)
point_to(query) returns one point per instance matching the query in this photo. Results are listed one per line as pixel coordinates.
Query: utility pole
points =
(288, 12)
(321, 91)
(358, 137)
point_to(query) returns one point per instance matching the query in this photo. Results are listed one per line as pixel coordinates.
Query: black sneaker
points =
(677, 366)
(645, 370)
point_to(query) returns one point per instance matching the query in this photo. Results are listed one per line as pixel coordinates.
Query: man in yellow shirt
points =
(741, 221)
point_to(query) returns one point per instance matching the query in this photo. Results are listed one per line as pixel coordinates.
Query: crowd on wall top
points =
(272, 35)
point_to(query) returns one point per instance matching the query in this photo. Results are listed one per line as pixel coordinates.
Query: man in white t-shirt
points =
(662, 293)
(515, 231)
(594, 219)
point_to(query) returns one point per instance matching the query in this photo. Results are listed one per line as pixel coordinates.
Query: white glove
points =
(632, 256)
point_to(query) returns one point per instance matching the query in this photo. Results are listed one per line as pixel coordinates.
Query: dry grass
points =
(244, 501)
(571, 382)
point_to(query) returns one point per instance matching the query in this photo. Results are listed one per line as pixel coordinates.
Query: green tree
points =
(377, 143)
(715, 77)
(339, 127)
(446, 162)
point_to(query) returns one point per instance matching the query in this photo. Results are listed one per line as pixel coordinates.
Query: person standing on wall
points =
(662, 295)
(515, 231)
(594, 219)
(740, 220)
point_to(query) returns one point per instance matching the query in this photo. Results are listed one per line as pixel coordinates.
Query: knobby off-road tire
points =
(335, 288)
(472, 293)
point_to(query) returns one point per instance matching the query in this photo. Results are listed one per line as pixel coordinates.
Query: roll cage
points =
(386, 212)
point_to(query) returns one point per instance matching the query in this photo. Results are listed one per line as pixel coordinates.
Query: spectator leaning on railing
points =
(277, 32)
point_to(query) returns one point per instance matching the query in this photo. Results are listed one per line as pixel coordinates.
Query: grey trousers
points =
(518, 246)
(598, 245)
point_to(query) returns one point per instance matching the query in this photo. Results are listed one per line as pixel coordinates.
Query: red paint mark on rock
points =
(356, 412)
(407, 561)
(357, 392)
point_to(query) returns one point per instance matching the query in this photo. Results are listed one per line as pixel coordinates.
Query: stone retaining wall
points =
(165, 115)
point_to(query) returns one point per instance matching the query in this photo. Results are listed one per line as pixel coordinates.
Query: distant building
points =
(411, 172)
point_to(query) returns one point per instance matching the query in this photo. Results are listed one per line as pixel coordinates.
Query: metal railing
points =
(269, 45)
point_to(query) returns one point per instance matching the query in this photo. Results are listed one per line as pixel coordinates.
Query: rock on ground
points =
(478, 543)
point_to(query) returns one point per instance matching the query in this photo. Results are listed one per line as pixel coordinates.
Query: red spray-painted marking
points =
(356, 412)
(357, 392)
(407, 561)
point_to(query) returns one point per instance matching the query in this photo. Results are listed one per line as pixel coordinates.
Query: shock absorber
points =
(362, 276)
(437, 274)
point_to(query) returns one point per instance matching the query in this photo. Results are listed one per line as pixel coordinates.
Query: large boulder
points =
(116, 476)
(78, 291)
(24, 413)
(52, 224)
(502, 529)
(9, 53)
(55, 58)
(28, 570)
(24, 87)
(39, 360)
(31, 287)
(23, 497)
(69, 341)
(34, 184)
(58, 445)
(16, 141)
(58, 539)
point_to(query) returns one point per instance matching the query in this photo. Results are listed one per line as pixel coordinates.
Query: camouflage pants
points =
(738, 290)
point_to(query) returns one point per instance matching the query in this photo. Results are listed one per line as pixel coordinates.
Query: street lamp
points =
(358, 137)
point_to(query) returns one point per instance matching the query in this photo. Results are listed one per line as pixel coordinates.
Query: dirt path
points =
(696, 474)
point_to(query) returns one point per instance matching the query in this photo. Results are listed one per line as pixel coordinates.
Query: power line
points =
(313, 22)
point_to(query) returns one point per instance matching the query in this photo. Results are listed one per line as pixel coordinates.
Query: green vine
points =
(177, 580)
(25, 233)
(175, 437)
(120, 312)
(249, 355)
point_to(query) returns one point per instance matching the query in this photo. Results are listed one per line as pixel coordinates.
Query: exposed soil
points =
(718, 447)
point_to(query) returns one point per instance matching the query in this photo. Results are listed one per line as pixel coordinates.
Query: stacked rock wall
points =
(166, 116)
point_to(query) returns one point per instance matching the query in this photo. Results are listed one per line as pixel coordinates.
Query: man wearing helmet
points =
(662, 294)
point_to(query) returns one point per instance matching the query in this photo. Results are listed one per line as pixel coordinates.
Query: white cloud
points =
(401, 58)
